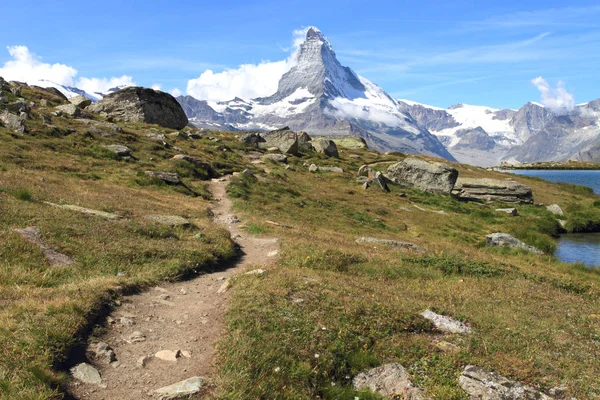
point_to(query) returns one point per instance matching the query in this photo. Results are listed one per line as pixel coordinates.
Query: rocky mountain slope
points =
(323, 97)
(486, 136)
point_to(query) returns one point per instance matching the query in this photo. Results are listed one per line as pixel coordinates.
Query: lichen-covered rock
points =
(504, 239)
(137, 104)
(428, 176)
(446, 324)
(304, 141)
(471, 189)
(12, 122)
(80, 101)
(68, 109)
(390, 381)
(326, 147)
(316, 168)
(252, 139)
(170, 220)
(170, 178)
(391, 243)
(183, 389)
(284, 139)
(555, 209)
(282, 158)
(484, 385)
(118, 150)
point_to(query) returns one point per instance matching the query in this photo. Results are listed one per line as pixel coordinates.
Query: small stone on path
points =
(182, 389)
(168, 355)
(86, 373)
(224, 287)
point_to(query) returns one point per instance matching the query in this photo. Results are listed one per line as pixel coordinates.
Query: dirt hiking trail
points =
(183, 321)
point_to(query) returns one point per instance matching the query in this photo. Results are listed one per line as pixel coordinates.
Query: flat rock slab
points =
(88, 211)
(504, 239)
(434, 177)
(183, 389)
(170, 178)
(32, 235)
(282, 158)
(390, 381)
(446, 324)
(472, 189)
(86, 373)
(391, 243)
(119, 150)
(170, 220)
(510, 211)
(315, 168)
(484, 385)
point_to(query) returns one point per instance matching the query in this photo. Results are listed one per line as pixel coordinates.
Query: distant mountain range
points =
(70, 91)
(320, 96)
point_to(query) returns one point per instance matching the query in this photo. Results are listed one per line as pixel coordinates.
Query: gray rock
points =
(12, 122)
(247, 173)
(379, 180)
(555, 209)
(429, 176)
(484, 385)
(68, 109)
(137, 104)
(170, 178)
(104, 353)
(32, 234)
(168, 355)
(282, 158)
(315, 168)
(504, 239)
(510, 211)
(284, 139)
(119, 150)
(158, 137)
(390, 381)
(170, 220)
(326, 147)
(446, 324)
(183, 389)
(86, 373)
(197, 162)
(136, 337)
(471, 189)
(390, 243)
(304, 141)
(252, 139)
(80, 101)
(365, 170)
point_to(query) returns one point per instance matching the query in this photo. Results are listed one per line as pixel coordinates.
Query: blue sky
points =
(435, 52)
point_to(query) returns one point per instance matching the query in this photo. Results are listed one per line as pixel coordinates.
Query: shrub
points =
(24, 195)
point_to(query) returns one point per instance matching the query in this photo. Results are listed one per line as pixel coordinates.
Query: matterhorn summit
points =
(322, 97)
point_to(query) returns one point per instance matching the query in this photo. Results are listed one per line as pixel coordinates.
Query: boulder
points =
(446, 324)
(86, 373)
(484, 385)
(484, 189)
(326, 147)
(119, 150)
(282, 158)
(504, 239)
(390, 243)
(252, 139)
(304, 141)
(365, 170)
(68, 109)
(137, 104)
(284, 139)
(80, 101)
(170, 178)
(434, 177)
(379, 180)
(389, 381)
(555, 209)
(12, 122)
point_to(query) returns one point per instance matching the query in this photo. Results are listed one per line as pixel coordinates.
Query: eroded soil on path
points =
(186, 317)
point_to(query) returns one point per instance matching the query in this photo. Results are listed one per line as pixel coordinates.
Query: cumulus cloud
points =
(27, 67)
(156, 86)
(556, 99)
(246, 81)
(176, 92)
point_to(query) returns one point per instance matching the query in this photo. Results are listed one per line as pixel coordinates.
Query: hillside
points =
(329, 309)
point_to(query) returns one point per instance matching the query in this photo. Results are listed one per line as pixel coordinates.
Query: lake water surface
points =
(576, 247)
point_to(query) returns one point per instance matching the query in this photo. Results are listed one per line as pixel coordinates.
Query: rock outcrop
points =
(429, 176)
(484, 385)
(12, 122)
(326, 147)
(555, 209)
(137, 104)
(390, 381)
(471, 189)
(391, 243)
(284, 139)
(446, 324)
(504, 239)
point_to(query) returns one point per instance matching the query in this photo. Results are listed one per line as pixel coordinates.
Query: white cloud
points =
(176, 92)
(156, 86)
(248, 80)
(25, 66)
(93, 85)
(556, 99)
